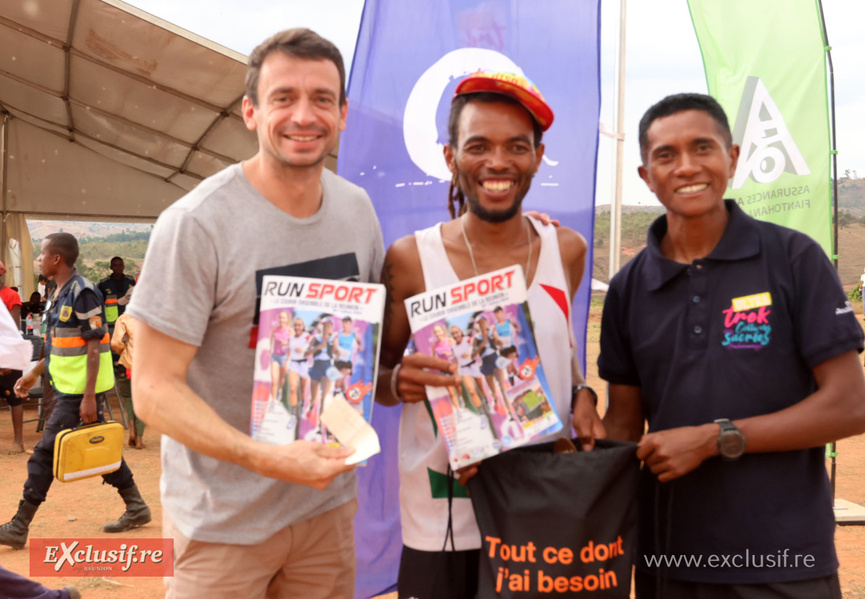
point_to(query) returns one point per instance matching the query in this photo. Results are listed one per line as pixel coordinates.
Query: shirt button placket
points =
(698, 324)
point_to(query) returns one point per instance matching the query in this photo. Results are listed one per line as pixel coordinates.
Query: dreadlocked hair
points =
(456, 199)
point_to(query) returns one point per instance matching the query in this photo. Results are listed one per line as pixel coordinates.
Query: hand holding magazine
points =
(318, 340)
(483, 325)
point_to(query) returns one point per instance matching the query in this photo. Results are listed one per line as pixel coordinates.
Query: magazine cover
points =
(317, 339)
(484, 326)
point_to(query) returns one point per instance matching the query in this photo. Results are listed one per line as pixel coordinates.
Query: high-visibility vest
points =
(111, 289)
(112, 312)
(67, 361)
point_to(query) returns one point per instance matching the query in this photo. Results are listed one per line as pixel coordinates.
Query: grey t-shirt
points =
(200, 284)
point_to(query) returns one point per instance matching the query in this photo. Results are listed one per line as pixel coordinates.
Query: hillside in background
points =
(635, 224)
(40, 228)
(101, 241)
(636, 221)
(851, 196)
(96, 252)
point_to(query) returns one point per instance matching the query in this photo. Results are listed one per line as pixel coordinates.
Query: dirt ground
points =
(80, 509)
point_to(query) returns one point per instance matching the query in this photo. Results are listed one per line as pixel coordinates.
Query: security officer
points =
(78, 361)
(113, 287)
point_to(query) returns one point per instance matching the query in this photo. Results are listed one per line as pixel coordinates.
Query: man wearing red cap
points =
(494, 150)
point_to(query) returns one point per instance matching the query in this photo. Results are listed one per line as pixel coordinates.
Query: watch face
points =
(731, 445)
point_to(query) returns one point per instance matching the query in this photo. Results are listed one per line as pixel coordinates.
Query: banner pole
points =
(834, 158)
(616, 207)
(834, 149)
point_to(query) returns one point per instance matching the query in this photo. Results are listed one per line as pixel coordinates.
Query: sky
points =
(661, 57)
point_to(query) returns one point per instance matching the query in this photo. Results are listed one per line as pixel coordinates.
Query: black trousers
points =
(40, 466)
(438, 574)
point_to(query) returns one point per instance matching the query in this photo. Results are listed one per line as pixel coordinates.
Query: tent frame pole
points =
(4, 174)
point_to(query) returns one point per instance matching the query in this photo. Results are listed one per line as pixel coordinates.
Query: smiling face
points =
(283, 320)
(298, 117)
(298, 327)
(494, 159)
(457, 334)
(688, 163)
(439, 332)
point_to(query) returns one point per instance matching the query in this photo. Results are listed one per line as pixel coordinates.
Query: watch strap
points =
(575, 390)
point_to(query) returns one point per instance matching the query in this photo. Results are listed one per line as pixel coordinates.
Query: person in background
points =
(113, 287)
(78, 362)
(33, 307)
(122, 341)
(862, 288)
(41, 287)
(9, 296)
(12, 301)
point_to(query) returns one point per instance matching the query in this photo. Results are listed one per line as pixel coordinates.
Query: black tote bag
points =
(557, 524)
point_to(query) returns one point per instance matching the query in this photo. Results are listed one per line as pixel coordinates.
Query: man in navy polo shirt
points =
(734, 339)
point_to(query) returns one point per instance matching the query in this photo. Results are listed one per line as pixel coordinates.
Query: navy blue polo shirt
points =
(733, 335)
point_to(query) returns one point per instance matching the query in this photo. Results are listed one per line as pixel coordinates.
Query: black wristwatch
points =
(731, 441)
(575, 390)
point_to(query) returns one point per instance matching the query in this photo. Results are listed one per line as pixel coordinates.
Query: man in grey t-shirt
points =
(251, 519)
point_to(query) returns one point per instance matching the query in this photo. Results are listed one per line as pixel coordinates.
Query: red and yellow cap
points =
(514, 86)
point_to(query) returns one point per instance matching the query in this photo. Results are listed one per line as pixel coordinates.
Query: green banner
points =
(765, 63)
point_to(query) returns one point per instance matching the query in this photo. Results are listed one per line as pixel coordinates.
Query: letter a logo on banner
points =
(768, 148)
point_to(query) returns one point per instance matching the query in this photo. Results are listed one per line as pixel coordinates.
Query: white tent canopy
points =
(110, 113)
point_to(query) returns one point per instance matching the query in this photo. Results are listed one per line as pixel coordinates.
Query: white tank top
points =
(422, 454)
(297, 347)
(463, 351)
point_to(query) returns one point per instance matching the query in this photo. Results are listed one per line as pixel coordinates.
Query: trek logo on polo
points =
(746, 322)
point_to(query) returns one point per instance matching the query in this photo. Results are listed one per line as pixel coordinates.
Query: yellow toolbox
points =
(88, 450)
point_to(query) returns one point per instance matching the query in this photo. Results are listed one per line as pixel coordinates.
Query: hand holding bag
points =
(88, 450)
(557, 524)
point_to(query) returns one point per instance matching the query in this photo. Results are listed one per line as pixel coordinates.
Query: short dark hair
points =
(296, 43)
(488, 98)
(65, 245)
(115, 258)
(680, 103)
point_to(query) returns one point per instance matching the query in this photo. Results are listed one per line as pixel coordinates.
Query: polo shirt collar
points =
(741, 240)
(68, 284)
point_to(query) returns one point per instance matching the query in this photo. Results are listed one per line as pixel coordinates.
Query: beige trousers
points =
(313, 559)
